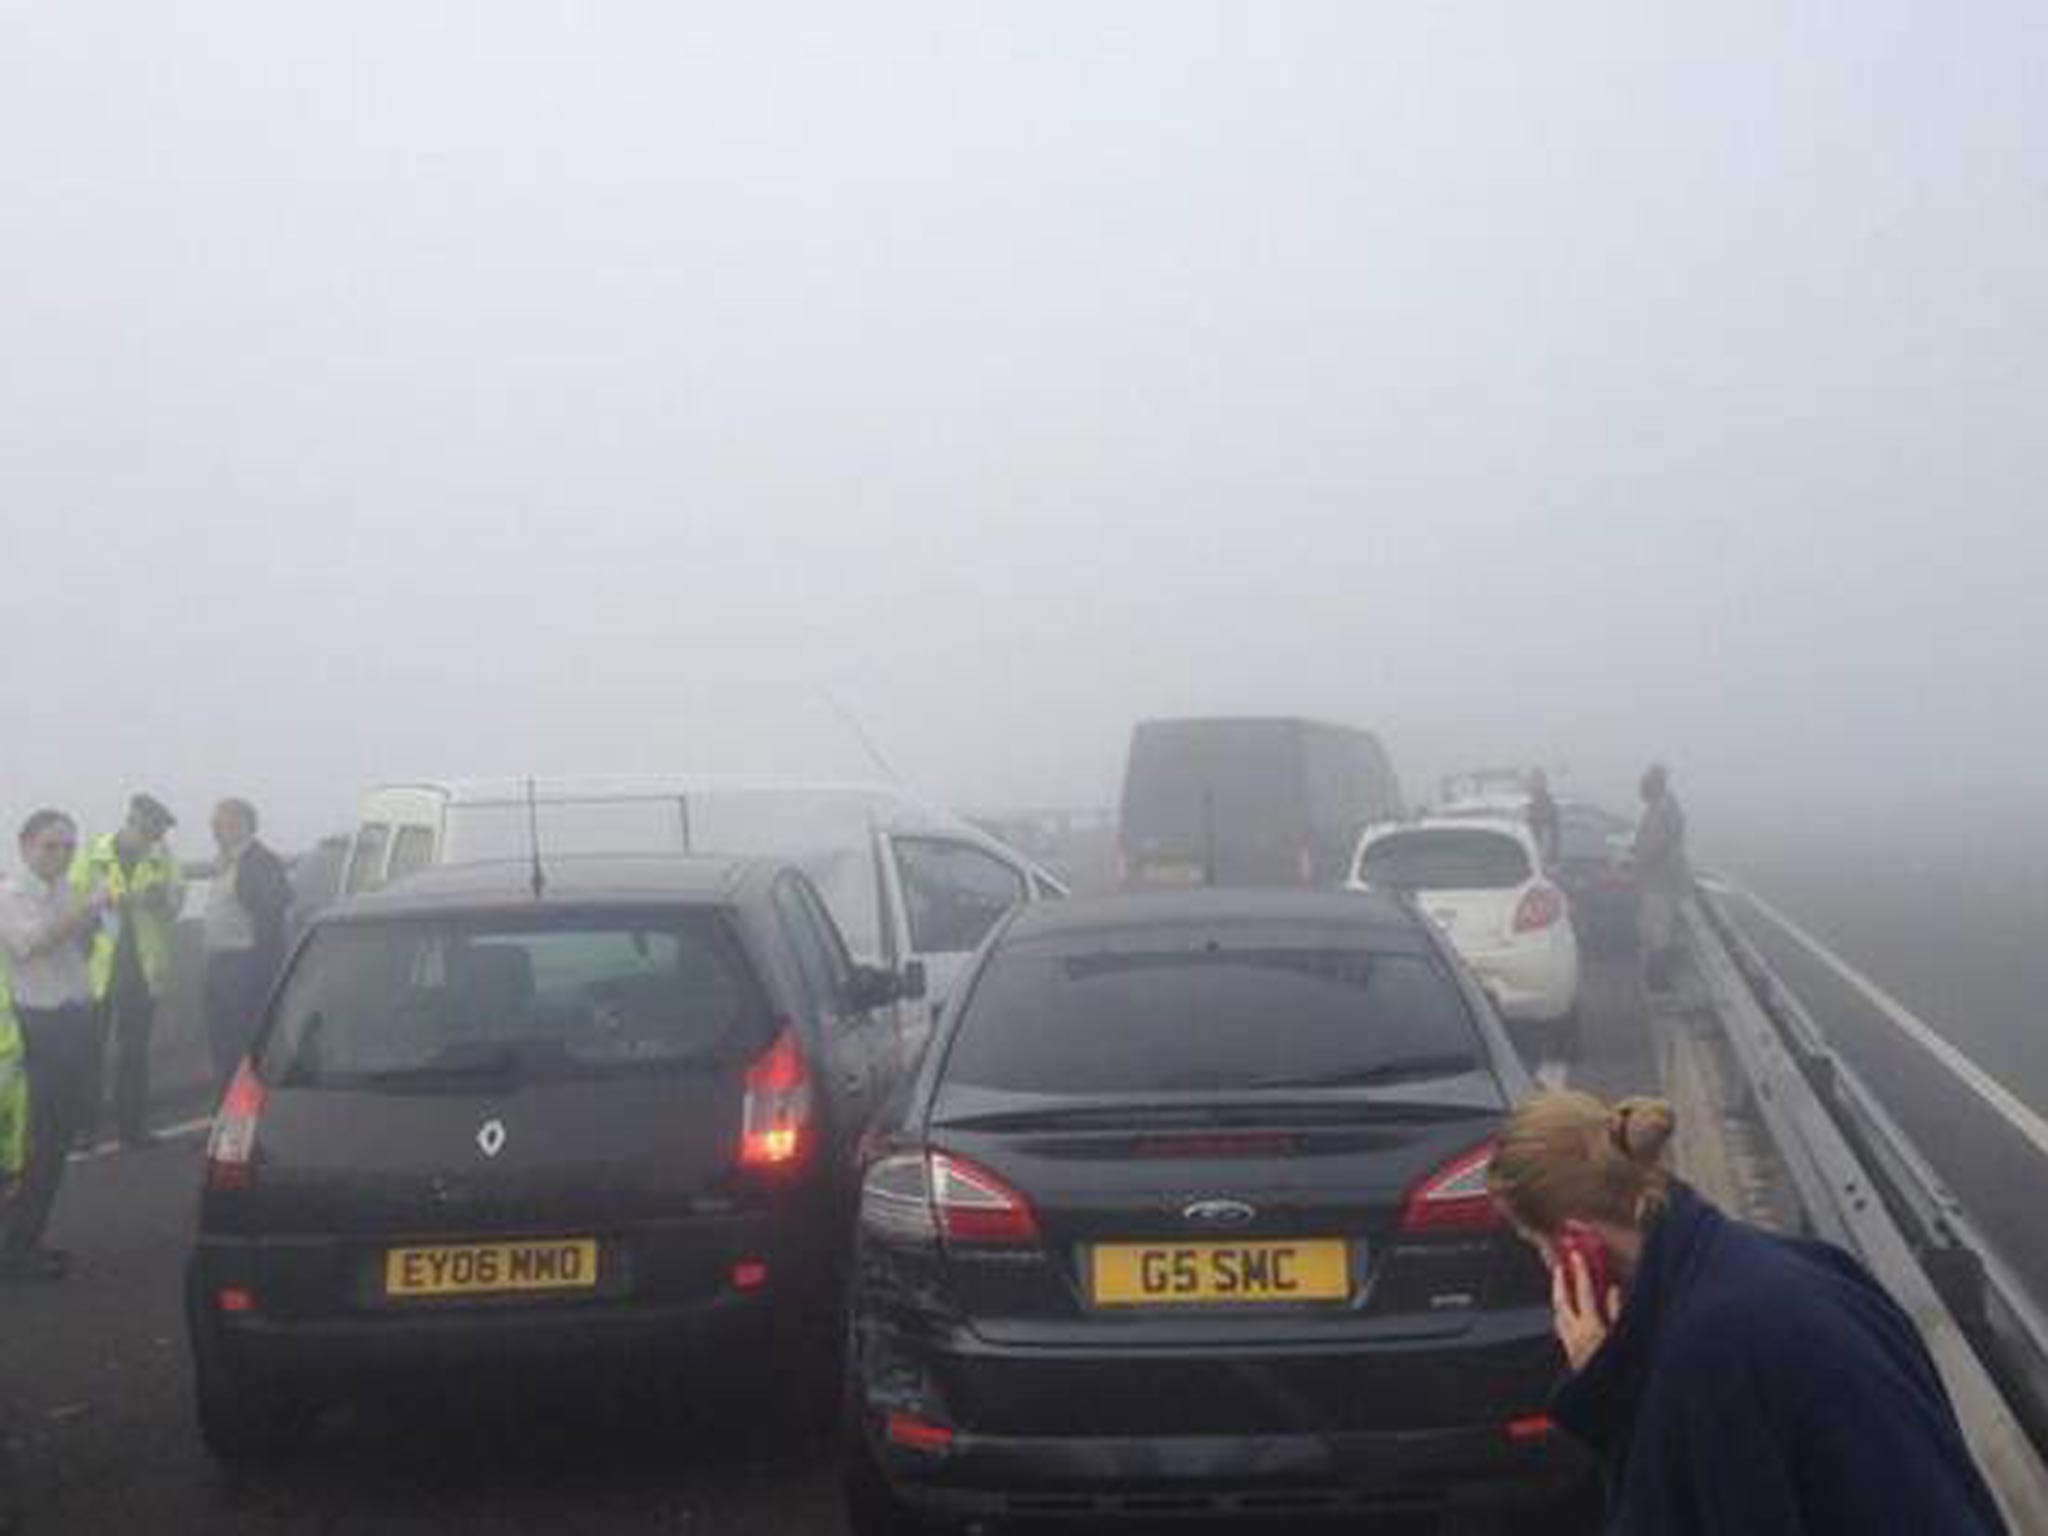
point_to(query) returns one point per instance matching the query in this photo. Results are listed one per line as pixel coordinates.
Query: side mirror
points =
(871, 988)
(911, 984)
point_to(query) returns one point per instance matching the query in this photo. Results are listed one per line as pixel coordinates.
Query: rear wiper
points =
(1401, 1069)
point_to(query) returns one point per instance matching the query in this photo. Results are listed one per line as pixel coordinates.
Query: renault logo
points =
(490, 1139)
(1218, 1213)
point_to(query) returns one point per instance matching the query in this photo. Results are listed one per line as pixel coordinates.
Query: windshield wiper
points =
(1402, 1069)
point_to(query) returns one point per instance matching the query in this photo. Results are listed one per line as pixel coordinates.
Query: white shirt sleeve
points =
(22, 925)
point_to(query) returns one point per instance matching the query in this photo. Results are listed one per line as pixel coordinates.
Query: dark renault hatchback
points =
(614, 1121)
(1185, 1212)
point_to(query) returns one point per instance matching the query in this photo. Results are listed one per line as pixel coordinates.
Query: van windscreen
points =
(564, 995)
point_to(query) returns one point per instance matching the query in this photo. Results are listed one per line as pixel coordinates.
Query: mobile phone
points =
(1578, 1238)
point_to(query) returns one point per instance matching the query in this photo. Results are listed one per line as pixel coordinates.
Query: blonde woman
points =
(1732, 1381)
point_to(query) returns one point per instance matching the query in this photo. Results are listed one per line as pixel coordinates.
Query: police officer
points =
(131, 954)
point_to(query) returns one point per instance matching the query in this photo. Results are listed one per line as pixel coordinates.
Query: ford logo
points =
(1219, 1213)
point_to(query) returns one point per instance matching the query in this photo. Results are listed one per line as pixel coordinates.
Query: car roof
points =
(615, 879)
(1506, 824)
(886, 807)
(1089, 917)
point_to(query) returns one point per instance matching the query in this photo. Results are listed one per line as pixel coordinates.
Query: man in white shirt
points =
(45, 929)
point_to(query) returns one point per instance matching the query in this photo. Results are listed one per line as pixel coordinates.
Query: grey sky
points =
(400, 388)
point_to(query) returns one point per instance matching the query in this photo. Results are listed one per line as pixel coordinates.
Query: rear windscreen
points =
(1213, 1019)
(564, 996)
(1445, 859)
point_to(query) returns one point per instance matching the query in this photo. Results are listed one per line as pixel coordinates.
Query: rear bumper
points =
(339, 1353)
(1048, 1432)
(312, 1321)
(1434, 1471)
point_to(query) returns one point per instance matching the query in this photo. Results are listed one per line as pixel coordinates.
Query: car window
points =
(564, 995)
(411, 851)
(810, 946)
(954, 892)
(1207, 1019)
(366, 860)
(1445, 859)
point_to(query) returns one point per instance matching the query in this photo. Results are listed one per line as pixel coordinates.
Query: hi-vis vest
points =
(13, 1085)
(99, 869)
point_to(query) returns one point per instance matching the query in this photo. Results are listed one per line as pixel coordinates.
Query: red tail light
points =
(231, 1149)
(977, 1209)
(916, 1434)
(776, 1118)
(1542, 906)
(1531, 1427)
(1454, 1198)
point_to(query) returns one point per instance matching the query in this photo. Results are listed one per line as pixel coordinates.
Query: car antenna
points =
(867, 742)
(540, 875)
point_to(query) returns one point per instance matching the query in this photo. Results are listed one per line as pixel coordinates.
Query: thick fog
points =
(394, 389)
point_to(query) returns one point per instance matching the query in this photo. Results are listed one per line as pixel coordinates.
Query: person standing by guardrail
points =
(44, 929)
(1663, 875)
(1733, 1382)
(245, 925)
(130, 960)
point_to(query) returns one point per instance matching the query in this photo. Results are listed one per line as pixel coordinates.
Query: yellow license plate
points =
(492, 1269)
(1212, 1274)
(1173, 872)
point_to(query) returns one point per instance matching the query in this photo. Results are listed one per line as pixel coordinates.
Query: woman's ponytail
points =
(1568, 1156)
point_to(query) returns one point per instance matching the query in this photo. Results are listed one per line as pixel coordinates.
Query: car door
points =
(847, 1039)
(952, 892)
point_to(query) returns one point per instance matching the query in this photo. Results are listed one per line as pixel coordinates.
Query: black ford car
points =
(1185, 1212)
(487, 1126)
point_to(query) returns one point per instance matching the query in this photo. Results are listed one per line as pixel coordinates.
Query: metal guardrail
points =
(1865, 1187)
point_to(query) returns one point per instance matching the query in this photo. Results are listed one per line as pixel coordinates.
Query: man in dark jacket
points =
(245, 928)
(1756, 1385)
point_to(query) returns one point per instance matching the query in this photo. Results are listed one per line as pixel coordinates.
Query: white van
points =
(913, 888)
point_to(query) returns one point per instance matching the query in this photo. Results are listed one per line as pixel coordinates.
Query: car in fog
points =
(483, 1127)
(1481, 881)
(912, 887)
(1185, 1213)
(1248, 802)
(316, 879)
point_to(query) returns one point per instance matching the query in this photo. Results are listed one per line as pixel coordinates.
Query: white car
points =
(1481, 881)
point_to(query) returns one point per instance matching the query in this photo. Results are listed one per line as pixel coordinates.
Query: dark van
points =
(1250, 802)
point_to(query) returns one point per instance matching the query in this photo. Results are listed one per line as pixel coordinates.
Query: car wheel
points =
(243, 1418)
(872, 1506)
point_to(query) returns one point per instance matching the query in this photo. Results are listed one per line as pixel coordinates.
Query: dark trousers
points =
(59, 1047)
(127, 1029)
(235, 983)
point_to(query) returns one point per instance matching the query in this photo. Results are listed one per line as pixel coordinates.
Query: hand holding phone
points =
(1581, 1241)
(1583, 1297)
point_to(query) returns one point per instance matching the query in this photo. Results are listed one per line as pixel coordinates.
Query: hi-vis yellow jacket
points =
(149, 896)
(13, 1086)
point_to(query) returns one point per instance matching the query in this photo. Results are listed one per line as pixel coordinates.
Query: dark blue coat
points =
(1758, 1385)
